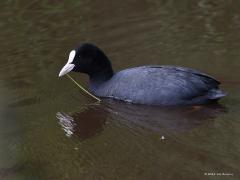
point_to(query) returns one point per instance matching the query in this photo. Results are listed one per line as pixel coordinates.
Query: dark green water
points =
(50, 130)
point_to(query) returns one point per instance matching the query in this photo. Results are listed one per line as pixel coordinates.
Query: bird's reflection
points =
(170, 119)
(85, 123)
(91, 119)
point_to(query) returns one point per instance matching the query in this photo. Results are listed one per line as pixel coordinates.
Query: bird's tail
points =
(216, 94)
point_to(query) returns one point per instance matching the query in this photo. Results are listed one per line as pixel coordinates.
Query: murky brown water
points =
(50, 130)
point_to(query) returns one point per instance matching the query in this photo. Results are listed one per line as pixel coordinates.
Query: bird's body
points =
(150, 85)
(159, 85)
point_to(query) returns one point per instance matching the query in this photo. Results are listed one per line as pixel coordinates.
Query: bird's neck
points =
(101, 69)
(101, 75)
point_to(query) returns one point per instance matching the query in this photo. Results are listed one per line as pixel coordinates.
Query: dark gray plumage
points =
(152, 85)
(159, 85)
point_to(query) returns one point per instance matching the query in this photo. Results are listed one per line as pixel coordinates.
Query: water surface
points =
(50, 130)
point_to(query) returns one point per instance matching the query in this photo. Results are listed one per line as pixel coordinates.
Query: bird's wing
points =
(209, 78)
(190, 83)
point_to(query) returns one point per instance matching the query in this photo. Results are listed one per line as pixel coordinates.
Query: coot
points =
(151, 85)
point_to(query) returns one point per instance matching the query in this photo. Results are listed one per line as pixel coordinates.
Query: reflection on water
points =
(168, 120)
(115, 140)
(84, 124)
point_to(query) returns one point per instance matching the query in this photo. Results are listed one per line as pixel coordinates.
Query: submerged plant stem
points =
(82, 88)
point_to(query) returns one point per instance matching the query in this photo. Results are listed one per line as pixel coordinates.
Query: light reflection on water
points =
(115, 140)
